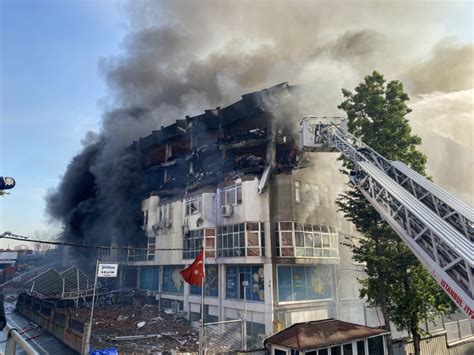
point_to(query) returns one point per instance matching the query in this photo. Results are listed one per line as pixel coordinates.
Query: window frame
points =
(321, 234)
(331, 271)
(188, 203)
(233, 189)
(226, 241)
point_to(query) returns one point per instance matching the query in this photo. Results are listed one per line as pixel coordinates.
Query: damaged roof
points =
(51, 283)
(250, 104)
(321, 334)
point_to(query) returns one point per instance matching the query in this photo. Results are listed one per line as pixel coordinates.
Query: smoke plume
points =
(182, 57)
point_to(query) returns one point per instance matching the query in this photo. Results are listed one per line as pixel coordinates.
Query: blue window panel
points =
(284, 284)
(172, 280)
(232, 283)
(299, 283)
(304, 283)
(257, 284)
(149, 278)
(255, 290)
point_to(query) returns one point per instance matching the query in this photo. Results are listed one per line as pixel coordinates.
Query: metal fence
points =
(221, 337)
(459, 330)
(14, 340)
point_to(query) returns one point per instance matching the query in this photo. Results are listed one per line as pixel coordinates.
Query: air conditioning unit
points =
(227, 210)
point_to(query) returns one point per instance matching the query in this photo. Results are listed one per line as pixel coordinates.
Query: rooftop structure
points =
(322, 335)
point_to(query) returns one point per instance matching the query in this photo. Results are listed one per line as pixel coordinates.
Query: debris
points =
(141, 324)
(121, 318)
(135, 337)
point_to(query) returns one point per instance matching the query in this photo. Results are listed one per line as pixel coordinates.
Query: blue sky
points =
(50, 87)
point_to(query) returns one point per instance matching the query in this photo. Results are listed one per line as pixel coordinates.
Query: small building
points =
(328, 337)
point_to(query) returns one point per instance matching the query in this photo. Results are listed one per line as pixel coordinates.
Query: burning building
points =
(234, 179)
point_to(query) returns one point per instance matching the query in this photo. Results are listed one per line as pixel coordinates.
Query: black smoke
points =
(181, 57)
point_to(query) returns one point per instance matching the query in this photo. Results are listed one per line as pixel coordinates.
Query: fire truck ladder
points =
(437, 227)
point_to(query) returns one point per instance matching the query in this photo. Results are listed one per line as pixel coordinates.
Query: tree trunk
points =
(416, 340)
(383, 300)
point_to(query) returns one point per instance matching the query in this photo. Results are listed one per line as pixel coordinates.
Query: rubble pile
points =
(138, 329)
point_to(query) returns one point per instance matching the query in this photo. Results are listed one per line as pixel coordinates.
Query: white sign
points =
(107, 270)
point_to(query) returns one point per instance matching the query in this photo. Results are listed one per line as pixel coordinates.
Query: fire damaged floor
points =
(138, 329)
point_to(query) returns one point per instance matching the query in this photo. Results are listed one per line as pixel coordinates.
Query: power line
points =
(12, 236)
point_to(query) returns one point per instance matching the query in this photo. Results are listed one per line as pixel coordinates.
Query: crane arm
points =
(437, 227)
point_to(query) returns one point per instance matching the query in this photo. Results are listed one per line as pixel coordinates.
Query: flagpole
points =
(201, 332)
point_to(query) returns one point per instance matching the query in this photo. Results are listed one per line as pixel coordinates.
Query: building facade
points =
(236, 179)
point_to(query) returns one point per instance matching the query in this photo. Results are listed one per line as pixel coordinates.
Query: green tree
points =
(395, 281)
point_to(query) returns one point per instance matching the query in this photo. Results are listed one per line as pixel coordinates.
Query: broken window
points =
(193, 205)
(231, 195)
(243, 239)
(310, 240)
(192, 243)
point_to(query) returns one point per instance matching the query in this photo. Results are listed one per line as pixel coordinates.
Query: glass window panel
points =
(300, 252)
(309, 251)
(324, 229)
(317, 240)
(299, 283)
(253, 251)
(298, 226)
(375, 345)
(285, 293)
(287, 252)
(347, 349)
(308, 239)
(231, 197)
(239, 194)
(286, 226)
(252, 226)
(326, 241)
(336, 350)
(361, 347)
(299, 239)
(286, 238)
(323, 352)
(252, 239)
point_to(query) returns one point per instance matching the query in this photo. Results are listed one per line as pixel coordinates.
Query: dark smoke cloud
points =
(451, 68)
(181, 57)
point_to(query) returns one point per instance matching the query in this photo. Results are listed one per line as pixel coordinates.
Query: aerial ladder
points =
(436, 226)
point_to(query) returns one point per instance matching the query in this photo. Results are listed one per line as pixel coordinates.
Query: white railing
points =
(14, 339)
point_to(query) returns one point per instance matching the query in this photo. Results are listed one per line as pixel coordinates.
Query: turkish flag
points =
(194, 273)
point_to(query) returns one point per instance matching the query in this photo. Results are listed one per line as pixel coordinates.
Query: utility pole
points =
(245, 283)
(93, 301)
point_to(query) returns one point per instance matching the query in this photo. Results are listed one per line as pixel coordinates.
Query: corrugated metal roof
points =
(321, 334)
(52, 283)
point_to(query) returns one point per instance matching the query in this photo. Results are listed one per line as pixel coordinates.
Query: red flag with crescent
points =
(194, 273)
